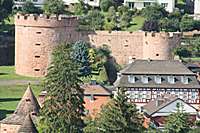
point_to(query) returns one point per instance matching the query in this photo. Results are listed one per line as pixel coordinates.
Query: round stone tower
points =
(159, 46)
(35, 37)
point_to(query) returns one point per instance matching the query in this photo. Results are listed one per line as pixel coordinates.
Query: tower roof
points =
(28, 103)
(28, 126)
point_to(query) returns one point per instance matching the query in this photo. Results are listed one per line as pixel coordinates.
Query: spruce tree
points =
(63, 107)
(178, 122)
(118, 116)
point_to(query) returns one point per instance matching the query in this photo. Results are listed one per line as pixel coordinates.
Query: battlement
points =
(34, 20)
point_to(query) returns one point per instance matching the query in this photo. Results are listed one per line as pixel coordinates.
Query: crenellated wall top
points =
(34, 20)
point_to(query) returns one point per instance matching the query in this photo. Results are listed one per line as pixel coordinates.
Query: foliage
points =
(106, 4)
(63, 107)
(182, 52)
(111, 19)
(29, 8)
(125, 17)
(117, 116)
(81, 8)
(187, 23)
(151, 25)
(178, 122)
(154, 12)
(5, 9)
(80, 56)
(103, 77)
(94, 20)
(169, 25)
(191, 50)
(54, 7)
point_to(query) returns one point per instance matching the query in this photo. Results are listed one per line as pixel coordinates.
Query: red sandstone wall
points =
(32, 59)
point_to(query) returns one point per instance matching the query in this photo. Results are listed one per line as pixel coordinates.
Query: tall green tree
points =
(80, 54)
(54, 7)
(29, 8)
(178, 122)
(63, 107)
(5, 9)
(118, 116)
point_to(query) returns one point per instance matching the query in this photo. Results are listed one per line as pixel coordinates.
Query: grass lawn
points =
(192, 59)
(11, 95)
(8, 73)
(136, 23)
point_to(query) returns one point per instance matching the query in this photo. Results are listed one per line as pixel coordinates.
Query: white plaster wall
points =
(197, 7)
(171, 4)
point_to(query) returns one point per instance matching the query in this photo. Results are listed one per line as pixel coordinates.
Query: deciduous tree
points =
(54, 7)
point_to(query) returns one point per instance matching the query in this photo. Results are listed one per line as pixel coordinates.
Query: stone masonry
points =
(36, 36)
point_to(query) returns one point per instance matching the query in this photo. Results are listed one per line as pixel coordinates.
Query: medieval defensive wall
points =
(36, 36)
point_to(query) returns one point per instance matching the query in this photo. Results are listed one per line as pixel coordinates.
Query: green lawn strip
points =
(192, 59)
(11, 95)
(8, 73)
(136, 23)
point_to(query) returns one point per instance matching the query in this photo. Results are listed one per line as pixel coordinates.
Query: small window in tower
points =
(37, 70)
(38, 32)
(37, 56)
(28, 100)
(153, 34)
(37, 44)
(5, 129)
(157, 54)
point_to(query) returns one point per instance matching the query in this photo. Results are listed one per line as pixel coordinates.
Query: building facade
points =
(36, 36)
(146, 80)
(140, 4)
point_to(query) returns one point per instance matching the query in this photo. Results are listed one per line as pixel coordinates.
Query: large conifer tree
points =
(118, 116)
(63, 107)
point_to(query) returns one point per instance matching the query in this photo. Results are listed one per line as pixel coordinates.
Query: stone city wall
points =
(36, 36)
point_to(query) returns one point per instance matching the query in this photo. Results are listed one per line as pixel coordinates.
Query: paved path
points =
(18, 82)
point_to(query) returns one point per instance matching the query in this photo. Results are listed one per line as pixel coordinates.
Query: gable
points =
(167, 110)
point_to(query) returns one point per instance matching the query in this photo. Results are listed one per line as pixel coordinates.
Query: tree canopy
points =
(29, 8)
(63, 107)
(54, 7)
(5, 9)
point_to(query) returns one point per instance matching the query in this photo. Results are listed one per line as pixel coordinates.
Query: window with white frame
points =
(171, 79)
(131, 79)
(184, 79)
(157, 79)
(145, 79)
